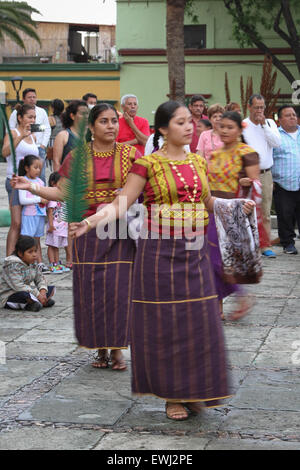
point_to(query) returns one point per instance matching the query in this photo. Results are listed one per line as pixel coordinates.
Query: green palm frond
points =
(16, 17)
(77, 182)
(12, 34)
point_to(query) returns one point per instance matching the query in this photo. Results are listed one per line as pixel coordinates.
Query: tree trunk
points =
(175, 49)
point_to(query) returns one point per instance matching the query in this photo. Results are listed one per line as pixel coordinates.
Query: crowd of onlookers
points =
(40, 140)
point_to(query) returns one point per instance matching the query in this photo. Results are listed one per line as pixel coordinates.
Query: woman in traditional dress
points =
(177, 343)
(102, 269)
(233, 164)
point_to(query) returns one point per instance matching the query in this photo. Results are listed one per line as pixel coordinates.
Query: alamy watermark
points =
(2, 353)
(180, 220)
(296, 94)
(296, 355)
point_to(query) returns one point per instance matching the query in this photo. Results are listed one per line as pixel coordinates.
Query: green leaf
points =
(15, 17)
(77, 182)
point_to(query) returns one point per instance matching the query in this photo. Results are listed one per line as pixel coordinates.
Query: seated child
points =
(22, 285)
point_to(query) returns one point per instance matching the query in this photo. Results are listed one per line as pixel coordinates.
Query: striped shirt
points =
(286, 168)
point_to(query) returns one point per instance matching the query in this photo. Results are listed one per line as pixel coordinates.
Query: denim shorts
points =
(13, 194)
(33, 225)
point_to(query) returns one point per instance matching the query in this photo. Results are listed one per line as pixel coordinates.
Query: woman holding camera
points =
(25, 144)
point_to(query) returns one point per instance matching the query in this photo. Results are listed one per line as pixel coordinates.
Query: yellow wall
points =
(64, 81)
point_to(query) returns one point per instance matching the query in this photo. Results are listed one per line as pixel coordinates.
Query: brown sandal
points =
(102, 359)
(176, 411)
(118, 363)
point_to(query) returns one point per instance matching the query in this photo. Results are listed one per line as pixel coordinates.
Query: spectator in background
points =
(210, 141)
(24, 144)
(56, 124)
(233, 106)
(42, 138)
(90, 99)
(134, 130)
(204, 125)
(65, 141)
(262, 135)
(197, 108)
(286, 177)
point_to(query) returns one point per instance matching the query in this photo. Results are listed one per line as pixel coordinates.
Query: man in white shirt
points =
(42, 138)
(262, 135)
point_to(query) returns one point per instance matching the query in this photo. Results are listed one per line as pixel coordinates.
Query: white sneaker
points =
(43, 268)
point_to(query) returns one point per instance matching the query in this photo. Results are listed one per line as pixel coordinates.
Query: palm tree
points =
(16, 17)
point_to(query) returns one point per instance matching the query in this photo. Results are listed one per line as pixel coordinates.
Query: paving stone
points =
(39, 335)
(273, 359)
(240, 358)
(132, 441)
(57, 350)
(39, 438)
(10, 334)
(16, 321)
(267, 397)
(242, 339)
(58, 324)
(83, 411)
(16, 374)
(251, 444)
(257, 423)
(152, 417)
(282, 339)
(48, 378)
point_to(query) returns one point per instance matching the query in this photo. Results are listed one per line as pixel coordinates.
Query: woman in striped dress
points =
(177, 342)
(102, 269)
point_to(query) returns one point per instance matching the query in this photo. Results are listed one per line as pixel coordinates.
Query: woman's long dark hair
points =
(71, 109)
(163, 115)
(27, 161)
(58, 107)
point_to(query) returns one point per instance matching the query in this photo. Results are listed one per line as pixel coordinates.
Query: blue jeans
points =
(42, 154)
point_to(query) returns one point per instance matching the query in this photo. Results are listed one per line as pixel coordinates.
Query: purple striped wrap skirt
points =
(177, 342)
(102, 282)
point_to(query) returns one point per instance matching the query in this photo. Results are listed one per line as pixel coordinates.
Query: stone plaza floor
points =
(51, 397)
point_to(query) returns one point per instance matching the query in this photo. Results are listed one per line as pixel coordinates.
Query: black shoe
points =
(50, 303)
(290, 250)
(34, 307)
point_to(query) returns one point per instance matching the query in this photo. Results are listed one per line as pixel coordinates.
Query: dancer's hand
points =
(76, 229)
(248, 207)
(19, 182)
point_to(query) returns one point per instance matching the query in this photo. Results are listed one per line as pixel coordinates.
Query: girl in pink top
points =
(210, 141)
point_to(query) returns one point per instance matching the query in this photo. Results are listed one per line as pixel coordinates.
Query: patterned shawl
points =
(239, 242)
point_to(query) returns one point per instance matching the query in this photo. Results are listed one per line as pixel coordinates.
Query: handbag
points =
(49, 153)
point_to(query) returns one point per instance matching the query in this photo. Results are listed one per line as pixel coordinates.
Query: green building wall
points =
(141, 42)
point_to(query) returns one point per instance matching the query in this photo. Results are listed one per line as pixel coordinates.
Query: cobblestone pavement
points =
(51, 397)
